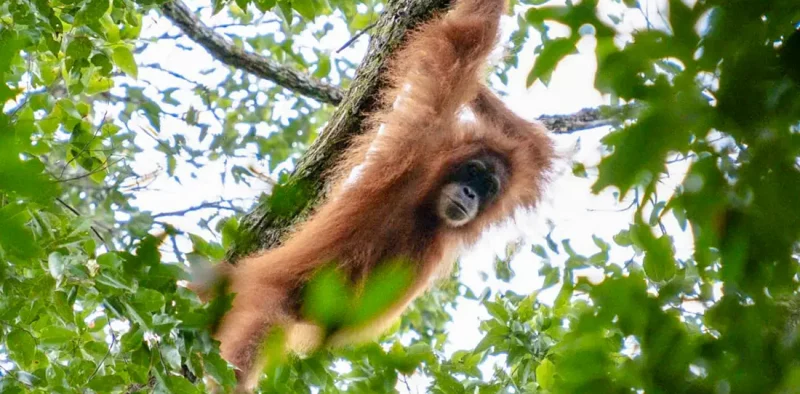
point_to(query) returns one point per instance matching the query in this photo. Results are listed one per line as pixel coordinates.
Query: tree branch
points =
(206, 205)
(225, 51)
(587, 118)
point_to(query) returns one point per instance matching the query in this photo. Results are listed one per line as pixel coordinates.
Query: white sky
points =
(576, 213)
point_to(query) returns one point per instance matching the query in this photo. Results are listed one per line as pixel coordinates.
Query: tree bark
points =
(225, 51)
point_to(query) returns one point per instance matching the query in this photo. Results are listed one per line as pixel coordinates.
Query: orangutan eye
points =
(475, 168)
(494, 185)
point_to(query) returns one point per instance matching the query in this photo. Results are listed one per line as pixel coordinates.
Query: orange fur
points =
(386, 211)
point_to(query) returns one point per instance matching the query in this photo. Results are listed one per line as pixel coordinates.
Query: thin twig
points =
(225, 51)
(85, 147)
(404, 379)
(13, 376)
(356, 36)
(176, 250)
(105, 166)
(110, 347)
(258, 23)
(613, 210)
(24, 100)
(75, 211)
(12, 325)
(205, 205)
(174, 74)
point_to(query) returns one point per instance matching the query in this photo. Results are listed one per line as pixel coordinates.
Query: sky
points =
(575, 213)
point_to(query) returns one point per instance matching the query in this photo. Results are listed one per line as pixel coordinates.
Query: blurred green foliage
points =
(89, 300)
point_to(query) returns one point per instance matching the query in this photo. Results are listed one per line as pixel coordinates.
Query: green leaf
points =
(598, 259)
(102, 61)
(123, 58)
(9, 50)
(132, 340)
(24, 178)
(490, 340)
(286, 11)
(218, 5)
(603, 245)
(549, 58)
(539, 251)
(21, 347)
(152, 112)
(113, 280)
(306, 8)
(55, 263)
(230, 232)
(682, 20)
(93, 11)
(191, 118)
(242, 4)
(623, 238)
(179, 384)
(109, 261)
(98, 175)
(172, 163)
(106, 383)
(551, 275)
(99, 85)
(265, 5)
(54, 335)
(503, 270)
(326, 298)
(289, 198)
(385, 285)
(568, 248)
(16, 238)
(133, 27)
(545, 374)
(219, 370)
(497, 310)
(78, 51)
(361, 21)
(659, 261)
(551, 244)
(148, 300)
(112, 31)
(655, 214)
(579, 170)
(323, 66)
(640, 152)
(537, 15)
(171, 355)
(565, 294)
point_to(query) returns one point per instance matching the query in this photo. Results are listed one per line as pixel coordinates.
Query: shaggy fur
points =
(381, 205)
